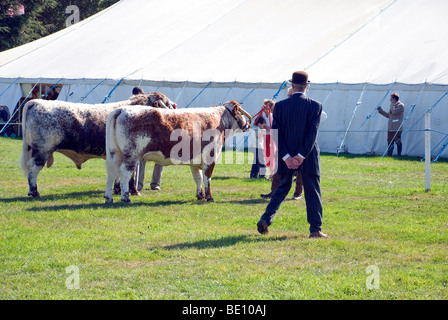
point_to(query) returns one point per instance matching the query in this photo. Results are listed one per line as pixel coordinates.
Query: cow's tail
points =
(26, 148)
(113, 151)
(114, 155)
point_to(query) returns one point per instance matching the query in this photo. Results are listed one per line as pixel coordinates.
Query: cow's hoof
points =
(108, 200)
(34, 194)
(210, 200)
(135, 193)
(200, 196)
(126, 200)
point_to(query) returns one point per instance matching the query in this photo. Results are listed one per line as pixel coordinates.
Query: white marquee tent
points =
(203, 52)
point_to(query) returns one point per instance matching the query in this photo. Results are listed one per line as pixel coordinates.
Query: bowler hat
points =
(299, 77)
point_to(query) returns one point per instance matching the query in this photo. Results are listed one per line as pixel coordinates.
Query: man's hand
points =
(292, 163)
(299, 159)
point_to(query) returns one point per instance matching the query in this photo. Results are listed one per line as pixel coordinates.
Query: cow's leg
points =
(109, 187)
(113, 173)
(208, 170)
(117, 189)
(126, 171)
(197, 176)
(32, 180)
(35, 164)
(132, 187)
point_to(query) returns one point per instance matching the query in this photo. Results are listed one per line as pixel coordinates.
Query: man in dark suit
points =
(297, 120)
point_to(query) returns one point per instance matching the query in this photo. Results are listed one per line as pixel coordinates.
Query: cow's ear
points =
(236, 110)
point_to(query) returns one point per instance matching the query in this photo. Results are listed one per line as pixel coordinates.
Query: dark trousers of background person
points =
(156, 175)
(258, 169)
(394, 137)
(276, 183)
(313, 199)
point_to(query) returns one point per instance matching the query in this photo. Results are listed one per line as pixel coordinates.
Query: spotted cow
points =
(191, 137)
(76, 130)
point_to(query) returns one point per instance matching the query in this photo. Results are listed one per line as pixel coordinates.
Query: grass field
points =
(389, 238)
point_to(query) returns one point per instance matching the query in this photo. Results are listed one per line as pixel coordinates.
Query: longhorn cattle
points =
(191, 137)
(74, 129)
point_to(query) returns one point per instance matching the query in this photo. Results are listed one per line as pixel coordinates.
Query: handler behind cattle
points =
(74, 129)
(153, 134)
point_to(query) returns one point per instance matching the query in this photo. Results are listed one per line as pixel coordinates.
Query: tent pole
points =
(198, 94)
(376, 109)
(9, 87)
(111, 91)
(89, 92)
(350, 123)
(427, 151)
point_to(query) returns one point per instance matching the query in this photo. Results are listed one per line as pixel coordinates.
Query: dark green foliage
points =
(41, 18)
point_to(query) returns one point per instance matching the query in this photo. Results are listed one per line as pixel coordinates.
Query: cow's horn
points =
(162, 104)
(245, 113)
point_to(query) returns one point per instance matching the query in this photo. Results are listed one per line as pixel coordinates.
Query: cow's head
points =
(153, 99)
(238, 114)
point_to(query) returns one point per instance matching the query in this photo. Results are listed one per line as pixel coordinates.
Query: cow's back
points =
(61, 125)
(153, 130)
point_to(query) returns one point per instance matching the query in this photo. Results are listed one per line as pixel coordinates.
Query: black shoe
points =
(266, 195)
(318, 234)
(262, 227)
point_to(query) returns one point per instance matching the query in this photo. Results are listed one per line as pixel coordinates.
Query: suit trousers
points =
(313, 199)
(156, 175)
(394, 137)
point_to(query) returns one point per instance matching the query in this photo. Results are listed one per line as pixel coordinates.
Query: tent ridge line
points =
(350, 35)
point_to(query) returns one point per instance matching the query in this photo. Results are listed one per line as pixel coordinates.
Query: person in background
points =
(394, 126)
(257, 145)
(4, 117)
(269, 147)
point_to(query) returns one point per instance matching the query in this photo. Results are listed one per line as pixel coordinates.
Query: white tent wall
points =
(365, 131)
(10, 95)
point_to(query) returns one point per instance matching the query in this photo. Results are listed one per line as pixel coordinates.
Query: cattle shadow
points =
(246, 201)
(110, 206)
(53, 197)
(223, 242)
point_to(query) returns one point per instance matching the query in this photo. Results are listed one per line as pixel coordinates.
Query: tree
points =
(39, 18)
(16, 28)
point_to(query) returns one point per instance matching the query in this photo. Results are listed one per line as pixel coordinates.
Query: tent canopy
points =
(375, 41)
(202, 52)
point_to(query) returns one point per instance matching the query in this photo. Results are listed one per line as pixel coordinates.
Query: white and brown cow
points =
(76, 130)
(191, 137)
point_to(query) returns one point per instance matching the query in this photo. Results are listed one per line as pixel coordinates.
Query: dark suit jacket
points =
(297, 120)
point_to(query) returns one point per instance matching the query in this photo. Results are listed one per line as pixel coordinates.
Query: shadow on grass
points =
(246, 201)
(103, 206)
(56, 197)
(223, 242)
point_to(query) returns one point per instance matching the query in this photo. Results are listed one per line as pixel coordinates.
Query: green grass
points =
(168, 245)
